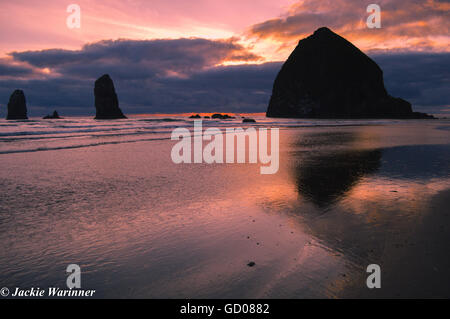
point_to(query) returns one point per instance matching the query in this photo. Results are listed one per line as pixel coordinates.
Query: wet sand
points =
(414, 262)
(141, 226)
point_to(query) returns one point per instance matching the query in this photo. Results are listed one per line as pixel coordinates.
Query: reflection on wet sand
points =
(323, 179)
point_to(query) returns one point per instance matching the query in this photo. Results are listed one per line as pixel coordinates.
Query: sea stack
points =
(106, 102)
(17, 106)
(328, 77)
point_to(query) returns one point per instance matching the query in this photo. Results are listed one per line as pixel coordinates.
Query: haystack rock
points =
(17, 106)
(328, 77)
(106, 102)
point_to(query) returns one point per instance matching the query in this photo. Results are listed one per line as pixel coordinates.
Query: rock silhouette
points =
(17, 106)
(55, 115)
(106, 102)
(221, 116)
(328, 77)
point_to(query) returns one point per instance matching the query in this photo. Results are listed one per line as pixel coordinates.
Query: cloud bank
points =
(189, 75)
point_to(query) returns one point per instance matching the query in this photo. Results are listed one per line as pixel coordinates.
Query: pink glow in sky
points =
(42, 24)
(270, 28)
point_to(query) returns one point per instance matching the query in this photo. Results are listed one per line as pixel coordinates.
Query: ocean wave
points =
(135, 127)
(65, 147)
(22, 136)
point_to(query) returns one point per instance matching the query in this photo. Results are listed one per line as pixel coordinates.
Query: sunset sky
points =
(208, 55)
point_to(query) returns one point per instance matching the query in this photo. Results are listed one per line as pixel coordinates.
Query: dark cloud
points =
(243, 88)
(140, 58)
(421, 78)
(11, 70)
(169, 76)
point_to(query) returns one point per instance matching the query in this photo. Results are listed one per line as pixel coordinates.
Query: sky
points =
(208, 55)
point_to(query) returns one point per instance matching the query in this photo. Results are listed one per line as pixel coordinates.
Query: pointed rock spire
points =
(106, 102)
(17, 106)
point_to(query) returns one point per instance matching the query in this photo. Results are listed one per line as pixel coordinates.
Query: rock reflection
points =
(323, 179)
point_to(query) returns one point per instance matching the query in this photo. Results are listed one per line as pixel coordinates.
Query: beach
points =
(106, 195)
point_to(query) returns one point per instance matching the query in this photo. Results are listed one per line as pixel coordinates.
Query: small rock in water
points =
(251, 264)
(222, 116)
(246, 120)
(55, 115)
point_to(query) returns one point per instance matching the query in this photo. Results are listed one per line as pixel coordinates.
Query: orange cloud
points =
(406, 25)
